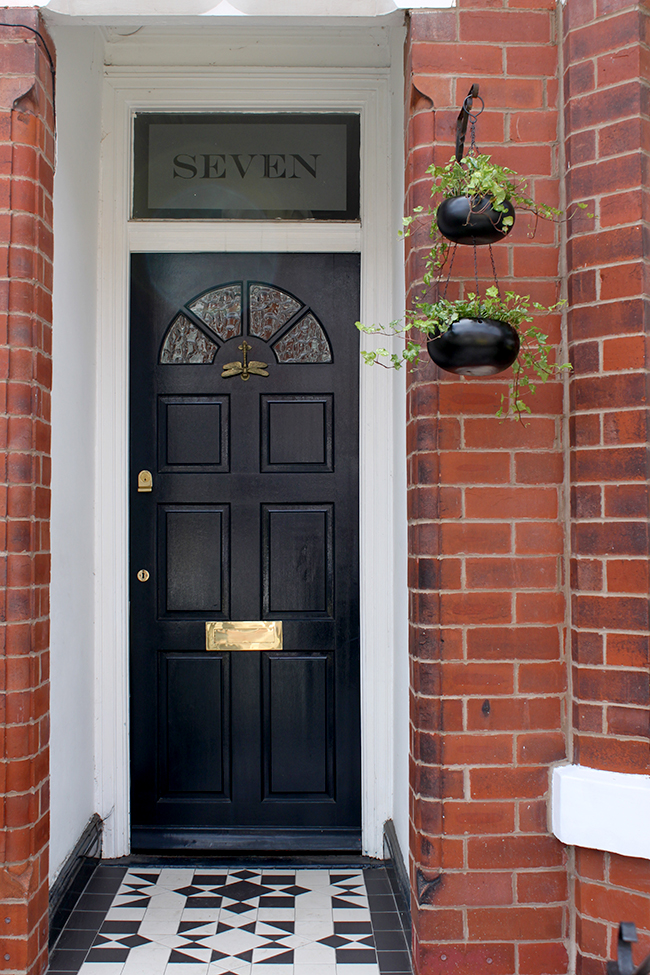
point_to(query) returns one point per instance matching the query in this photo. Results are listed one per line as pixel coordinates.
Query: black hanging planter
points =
(475, 347)
(473, 220)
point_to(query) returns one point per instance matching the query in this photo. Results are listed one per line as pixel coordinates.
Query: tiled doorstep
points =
(215, 921)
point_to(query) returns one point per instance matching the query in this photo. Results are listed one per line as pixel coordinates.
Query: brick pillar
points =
(607, 75)
(26, 170)
(486, 509)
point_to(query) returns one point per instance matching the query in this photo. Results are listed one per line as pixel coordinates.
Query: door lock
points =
(143, 575)
(145, 481)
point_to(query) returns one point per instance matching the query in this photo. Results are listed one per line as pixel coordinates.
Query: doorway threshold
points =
(253, 915)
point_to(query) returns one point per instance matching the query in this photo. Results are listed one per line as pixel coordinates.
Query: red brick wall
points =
(26, 170)
(607, 62)
(486, 510)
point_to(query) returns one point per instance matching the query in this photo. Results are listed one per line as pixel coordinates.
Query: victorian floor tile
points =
(238, 921)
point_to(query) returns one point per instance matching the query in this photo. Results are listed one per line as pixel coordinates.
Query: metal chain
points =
(451, 264)
(475, 267)
(494, 271)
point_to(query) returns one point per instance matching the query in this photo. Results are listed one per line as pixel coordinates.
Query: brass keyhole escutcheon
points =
(143, 575)
(145, 482)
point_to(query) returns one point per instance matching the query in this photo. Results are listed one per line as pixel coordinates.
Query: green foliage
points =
(476, 175)
(533, 365)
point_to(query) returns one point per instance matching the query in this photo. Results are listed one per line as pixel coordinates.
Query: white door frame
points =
(127, 90)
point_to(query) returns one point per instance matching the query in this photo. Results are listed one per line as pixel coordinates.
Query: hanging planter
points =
(474, 220)
(475, 202)
(475, 347)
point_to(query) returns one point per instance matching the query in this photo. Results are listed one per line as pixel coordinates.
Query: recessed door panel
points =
(298, 560)
(193, 433)
(196, 565)
(297, 433)
(300, 726)
(244, 408)
(194, 725)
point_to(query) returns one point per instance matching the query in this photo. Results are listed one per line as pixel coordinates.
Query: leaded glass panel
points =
(186, 344)
(220, 310)
(305, 342)
(269, 310)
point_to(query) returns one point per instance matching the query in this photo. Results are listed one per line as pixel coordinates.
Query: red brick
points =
(626, 464)
(516, 923)
(627, 650)
(514, 852)
(607, 904)
(519, 573)
(610, 612)
(483, 679)
(543, 959)
(628, 722)
(518, 502)
(615, 538)
(543, 886)
(475, 538)
(474, 889)
(628, 501)
(631, 873)
(475, 608)
(465, 467)
(539, 468)
(514, 714)
(508, 783)
(627, 575)
(534, 61)
(540, 607)
(540, 749)
(539, 538)
(459, 959)
(477, 749)
(621, 687)
(538, 643)
(475, 818)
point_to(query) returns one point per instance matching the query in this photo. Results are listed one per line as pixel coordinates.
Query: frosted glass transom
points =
(220, 310)
(305, 342)
(186, 344)
(269, 310)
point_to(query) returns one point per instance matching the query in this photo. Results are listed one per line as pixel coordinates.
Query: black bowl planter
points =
(475, 347)
(474, 220)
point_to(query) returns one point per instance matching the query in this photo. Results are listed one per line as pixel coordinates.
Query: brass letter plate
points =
(243, 635)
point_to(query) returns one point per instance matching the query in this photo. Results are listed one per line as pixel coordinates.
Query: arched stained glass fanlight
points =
(220, 310)
(185, 343)
(304, 342)
(269, 310)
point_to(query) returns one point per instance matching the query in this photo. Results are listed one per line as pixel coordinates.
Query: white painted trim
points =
(217, 9)
(601, 810)
(128, 90)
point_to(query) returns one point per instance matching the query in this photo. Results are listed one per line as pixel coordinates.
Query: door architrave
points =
(127, 90)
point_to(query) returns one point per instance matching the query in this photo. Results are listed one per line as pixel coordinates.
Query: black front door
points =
(244, 411)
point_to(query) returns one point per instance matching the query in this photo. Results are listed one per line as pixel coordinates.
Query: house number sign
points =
(246, 167)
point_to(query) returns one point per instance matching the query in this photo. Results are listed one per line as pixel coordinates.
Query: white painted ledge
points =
(230, 8)
(601, 810)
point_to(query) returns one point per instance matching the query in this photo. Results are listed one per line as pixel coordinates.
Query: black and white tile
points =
(232, 921)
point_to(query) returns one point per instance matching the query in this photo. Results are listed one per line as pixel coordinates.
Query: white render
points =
(76, 206)
(601, 810)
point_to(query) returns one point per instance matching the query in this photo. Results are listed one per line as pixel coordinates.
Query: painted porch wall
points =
(76, 189)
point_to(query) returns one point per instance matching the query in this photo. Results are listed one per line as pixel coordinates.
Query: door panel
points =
(244, 406)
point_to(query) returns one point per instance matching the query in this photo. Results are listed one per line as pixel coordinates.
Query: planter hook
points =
(463, 118)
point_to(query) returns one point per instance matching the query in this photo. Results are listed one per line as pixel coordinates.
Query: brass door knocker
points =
(244, 369)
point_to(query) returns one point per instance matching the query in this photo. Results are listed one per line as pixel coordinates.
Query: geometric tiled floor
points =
(234, 921)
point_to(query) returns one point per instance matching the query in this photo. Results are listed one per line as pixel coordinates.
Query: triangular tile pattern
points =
(177, 921)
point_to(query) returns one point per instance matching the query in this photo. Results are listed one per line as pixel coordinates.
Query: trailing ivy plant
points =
(534, 363)
(476, 177)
